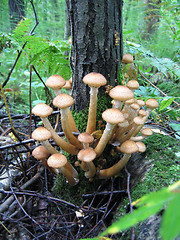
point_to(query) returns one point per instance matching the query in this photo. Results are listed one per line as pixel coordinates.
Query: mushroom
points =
(64, 101)
(112, 117)
(127, 58)
(151, 104)
(87, 155)
(141, 146)
(42, 135)
(146, 132)
(94, 80)
(43, 111)
(120, 94)
(68, 86)
(85, 138)
(128, 147)
(133, 85)
(41, 153)
(59, 161)
(138, 123)
(56, 82)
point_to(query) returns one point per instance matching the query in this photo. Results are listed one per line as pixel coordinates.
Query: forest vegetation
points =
(39, 36)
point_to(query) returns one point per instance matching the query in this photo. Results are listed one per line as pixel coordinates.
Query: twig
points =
(157, 88)
(130, 202)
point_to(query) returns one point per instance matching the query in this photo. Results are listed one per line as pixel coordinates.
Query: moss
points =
(165, 171)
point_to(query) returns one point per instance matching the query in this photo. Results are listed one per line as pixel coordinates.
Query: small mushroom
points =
(133, 85)
(95, 81)
(146, 132)
(59, 161)
(127, 58)
(41, 154)
(151, 104)
(128, 147)
(120, 94)
(64, 101)
(141, 146)
(43, 111)
(87, 155)
(55, 82)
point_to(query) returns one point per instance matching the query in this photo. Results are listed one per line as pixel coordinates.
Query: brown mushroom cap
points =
(127, 58)
(95, 80)
(130, 101)
(133, 84)
(41, 134)
(42, 110)
(67, 85)
(135, 106)
(138, 120)
(113, 116)
(128, 147)
(142, 112)
(140, 102)
(85, 138)
(152, 103)
(55, 82)
(63, 100)
(121, 93)
(40, 152)
(146, 132)
(86, 155)
(57, 161)
(141, 146)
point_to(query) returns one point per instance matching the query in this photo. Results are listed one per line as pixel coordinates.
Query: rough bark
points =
(16, 12)
(96, 26)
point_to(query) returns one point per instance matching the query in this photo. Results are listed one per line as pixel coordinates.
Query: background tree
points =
(16, 11)
(96, 31)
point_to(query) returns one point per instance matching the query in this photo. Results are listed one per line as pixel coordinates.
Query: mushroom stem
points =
(115, 169)
(69, 148)
(92, 170)
(104, 139)
(91, 124)
(67, 130)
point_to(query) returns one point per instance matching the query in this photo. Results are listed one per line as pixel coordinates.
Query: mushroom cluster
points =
(124, 129)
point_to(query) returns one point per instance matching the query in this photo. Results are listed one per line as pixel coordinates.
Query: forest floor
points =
(34, 204)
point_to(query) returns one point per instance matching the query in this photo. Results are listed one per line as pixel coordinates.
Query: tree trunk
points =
(16, 12)
(96, 32)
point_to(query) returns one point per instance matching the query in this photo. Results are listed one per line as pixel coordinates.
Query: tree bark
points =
(96, 32)
(16, 12)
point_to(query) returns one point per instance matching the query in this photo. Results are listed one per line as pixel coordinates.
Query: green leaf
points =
(165, 103)
(170, 227)
(175, 126)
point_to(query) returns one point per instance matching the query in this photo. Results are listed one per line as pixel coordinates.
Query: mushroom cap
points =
(130, 101)
(86, 155)
(57, 160)
(41, 134)
(152, 103)
(127, 58)
(55, 82)
(146, 132)
(40, 152)
(138, 121)
(140, 102)
(63, 100)
(133, 84)
(95, 80)
(128, 147)
(141, 146)
(67, 85)
(42, 110)
(113, 116)
(85, 138)
(142, 113)
(121, 93)
(135, 106)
